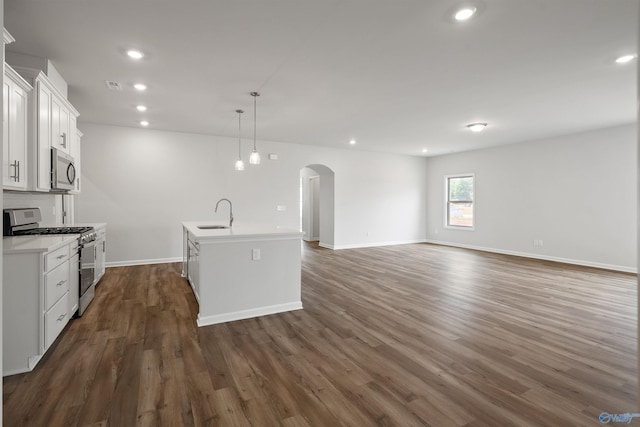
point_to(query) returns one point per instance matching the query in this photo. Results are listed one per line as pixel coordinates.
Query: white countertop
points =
(41, 243)
(239, 231)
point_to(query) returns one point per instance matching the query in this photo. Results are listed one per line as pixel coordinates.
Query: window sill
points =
(459, 227)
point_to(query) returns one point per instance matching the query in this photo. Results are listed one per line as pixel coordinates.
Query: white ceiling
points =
(396, 75)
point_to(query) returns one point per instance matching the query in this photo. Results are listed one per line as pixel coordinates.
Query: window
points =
(459, 201)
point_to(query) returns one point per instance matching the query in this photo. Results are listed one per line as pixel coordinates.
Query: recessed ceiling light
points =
(141, 107)
(140, 86)
(135, 54)
(477, 127)
(424, 150)
(626, 59)
(465, 13)
(144, 123)
(352, 142)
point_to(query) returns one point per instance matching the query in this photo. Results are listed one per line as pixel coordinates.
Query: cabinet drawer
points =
(56, 257)
(56, 283)
(55, 320)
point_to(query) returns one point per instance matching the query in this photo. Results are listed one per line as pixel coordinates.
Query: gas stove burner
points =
(53, 230)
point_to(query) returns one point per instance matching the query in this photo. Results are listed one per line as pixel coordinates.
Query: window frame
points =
(447, 178)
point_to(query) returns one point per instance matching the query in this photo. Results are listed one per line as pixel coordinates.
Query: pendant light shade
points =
(239, 162)
(254, 158)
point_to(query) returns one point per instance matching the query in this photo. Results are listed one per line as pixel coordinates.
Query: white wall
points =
(576, 193)
(144, 183)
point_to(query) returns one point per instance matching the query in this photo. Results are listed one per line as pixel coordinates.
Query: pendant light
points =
(239, 162)
(254, 158)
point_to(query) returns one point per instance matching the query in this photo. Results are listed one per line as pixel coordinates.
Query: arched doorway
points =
(317, 188)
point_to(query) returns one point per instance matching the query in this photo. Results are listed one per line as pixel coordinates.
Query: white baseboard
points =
(604, 266)
(377, 244)
(248, 314)
(143, 262)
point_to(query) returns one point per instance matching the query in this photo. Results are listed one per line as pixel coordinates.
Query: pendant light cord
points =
(239, 133)
(254, 121)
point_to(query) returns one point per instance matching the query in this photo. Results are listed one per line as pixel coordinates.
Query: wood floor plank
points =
(389, 336)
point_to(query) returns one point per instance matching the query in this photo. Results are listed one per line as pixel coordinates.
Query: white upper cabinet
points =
(15, 98)
(60, 133)
(52, 123)
(75, 153)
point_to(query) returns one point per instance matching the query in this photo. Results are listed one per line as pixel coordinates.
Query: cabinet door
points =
(59, 125)
(75, 153)
(44, 137)
(101, 252)
(6, 90)
(15, 136)
(74, 284)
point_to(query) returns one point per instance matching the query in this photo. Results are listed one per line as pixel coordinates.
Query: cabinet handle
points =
(16, 169)
(60, 256)
(60, 283)
(64, 139)
(62, 316)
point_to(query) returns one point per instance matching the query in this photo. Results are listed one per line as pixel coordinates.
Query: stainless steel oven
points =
(87, 273)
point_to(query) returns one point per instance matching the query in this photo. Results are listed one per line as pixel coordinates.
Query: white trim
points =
(604, 266)
(6, 37)
(446, 201)
(324, 245)
(143, 262)
(377, 244)
(248, 314)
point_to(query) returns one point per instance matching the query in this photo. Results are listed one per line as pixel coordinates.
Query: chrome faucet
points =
(230, 210)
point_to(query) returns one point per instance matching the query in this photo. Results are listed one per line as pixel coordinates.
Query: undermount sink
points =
(213, 227)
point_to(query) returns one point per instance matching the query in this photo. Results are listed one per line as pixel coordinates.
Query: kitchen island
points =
(241, 272)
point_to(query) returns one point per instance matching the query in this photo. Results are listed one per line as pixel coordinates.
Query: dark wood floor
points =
(405, 335)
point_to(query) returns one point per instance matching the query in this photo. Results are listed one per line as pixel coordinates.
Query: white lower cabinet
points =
(74, 284)
(40, 291)
(101, 253)
(55, 319)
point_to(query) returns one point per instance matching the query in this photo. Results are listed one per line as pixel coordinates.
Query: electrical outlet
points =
(281, 208)
(255, 254)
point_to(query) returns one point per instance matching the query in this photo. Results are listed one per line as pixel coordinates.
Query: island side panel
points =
(234, 285)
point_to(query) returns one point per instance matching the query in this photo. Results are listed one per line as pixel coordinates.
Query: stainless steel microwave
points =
(63, 171)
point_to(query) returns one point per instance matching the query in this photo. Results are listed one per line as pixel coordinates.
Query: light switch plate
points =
(255, 254)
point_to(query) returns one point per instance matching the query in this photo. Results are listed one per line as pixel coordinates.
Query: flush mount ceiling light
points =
(140, 86)
(135, 54)
(625, 59)
(476, 127)
(464, 13)
(239, 162)
(352, 142)
(144, 123)
(254, 158)
(424, 150)
(141, 108)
